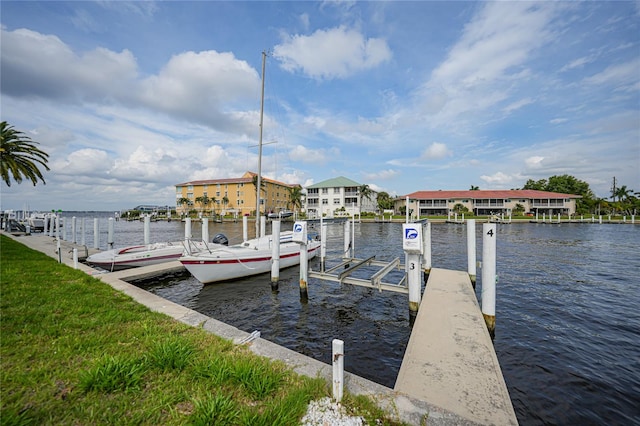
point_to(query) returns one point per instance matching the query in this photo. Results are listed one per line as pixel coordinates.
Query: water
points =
(567, 317)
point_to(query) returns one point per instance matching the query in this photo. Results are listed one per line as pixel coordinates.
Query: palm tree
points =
(225, 201)
(474, 188)
(295, 196)
(255, 186)
(183, 201)
(19, 155)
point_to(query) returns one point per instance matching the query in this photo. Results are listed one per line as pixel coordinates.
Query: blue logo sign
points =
(297, 227)
(410, 234)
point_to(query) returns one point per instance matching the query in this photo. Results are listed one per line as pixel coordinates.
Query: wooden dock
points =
(450, 359)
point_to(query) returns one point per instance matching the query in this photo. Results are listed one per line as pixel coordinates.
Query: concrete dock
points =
(449, 376)
(450, 360)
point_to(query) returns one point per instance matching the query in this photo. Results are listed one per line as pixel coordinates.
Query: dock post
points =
(73, 230)
(46, 224)
(426, 257)
(110, 234)
(83, 239)
(323, 244)
(96, 234)
(600, 220)
(147, 229)
(412, 244)
(245, 228)
(75, 258)
(64, 228)
(263, 226)
(337, 347)
(633, 219)
(275, 254)
(489, 276)
(347, 239)
(471, 250)
(205, 229)
(187, 229)
(300, 236)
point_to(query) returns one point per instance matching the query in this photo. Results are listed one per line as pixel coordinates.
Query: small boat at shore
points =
(140, 255)
(252, 257)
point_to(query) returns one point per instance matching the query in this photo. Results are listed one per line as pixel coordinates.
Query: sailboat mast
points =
(259, 182)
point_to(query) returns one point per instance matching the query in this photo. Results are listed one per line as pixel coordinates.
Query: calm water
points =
(567, 314)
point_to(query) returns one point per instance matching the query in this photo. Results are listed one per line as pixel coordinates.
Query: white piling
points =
(414, 281)
(83, 239)
(73, 230)
(205, 229)
(75, 258)
(426, 239)
(96, 234)
(633, 218)
(187, 229)
(338, 369)
(304, 272)
(263, 226)
(347, 239)
(489, 276)
(353, 236)
(64, 227)
(471, 250)
(58, 227)
(558, 217)
(406, 210)
(110, 233)
(46, 224)
(600, 219)
(245, 228)
(275, 254)
(147, 229)
(323, 244)
(59, 251)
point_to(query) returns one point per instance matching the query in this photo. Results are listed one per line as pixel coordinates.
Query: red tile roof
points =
(493, 194)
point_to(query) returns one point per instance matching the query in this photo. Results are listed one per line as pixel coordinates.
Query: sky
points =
(131, 98)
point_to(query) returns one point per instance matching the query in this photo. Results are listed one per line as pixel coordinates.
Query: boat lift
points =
(349, 265)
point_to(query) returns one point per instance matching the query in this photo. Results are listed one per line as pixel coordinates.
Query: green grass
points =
(75, 351)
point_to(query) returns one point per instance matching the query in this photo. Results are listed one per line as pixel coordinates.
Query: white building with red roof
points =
(488, 202)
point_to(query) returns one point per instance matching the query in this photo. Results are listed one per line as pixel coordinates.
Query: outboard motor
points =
(220, 239)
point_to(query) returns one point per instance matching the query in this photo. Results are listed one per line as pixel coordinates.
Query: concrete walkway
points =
(408, 405)
(450, 360)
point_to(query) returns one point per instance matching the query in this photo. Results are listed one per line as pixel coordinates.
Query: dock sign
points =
(412, 238)
(300, 232)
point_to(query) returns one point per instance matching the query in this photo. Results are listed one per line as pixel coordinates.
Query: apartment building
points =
(488, 202)
(233, 196)
(338, 197)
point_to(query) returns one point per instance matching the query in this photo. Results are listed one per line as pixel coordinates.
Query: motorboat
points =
(280, 215)
(143, 255)
(252, 257)
(36, 221)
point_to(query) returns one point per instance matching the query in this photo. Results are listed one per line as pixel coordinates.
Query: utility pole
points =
(613, 189)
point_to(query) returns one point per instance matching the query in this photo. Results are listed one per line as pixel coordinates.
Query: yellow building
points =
(235, 196)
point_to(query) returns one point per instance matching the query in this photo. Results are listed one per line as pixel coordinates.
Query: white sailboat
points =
(250, 257)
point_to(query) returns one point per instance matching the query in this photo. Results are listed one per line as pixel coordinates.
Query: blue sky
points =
(131, 98)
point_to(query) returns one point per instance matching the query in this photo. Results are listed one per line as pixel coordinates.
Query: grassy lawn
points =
(75, 351)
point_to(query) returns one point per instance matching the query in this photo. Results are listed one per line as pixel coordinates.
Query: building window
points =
(336, 190)
(190, 188)
(190, 195)
(179, 189)
(325, 202)
(325, 190)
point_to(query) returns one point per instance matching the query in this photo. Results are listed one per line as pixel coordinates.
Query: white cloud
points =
(497, 178)
(381, 175)
(435, 151)
(332, 53)
(305, 155)
(534, 162)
